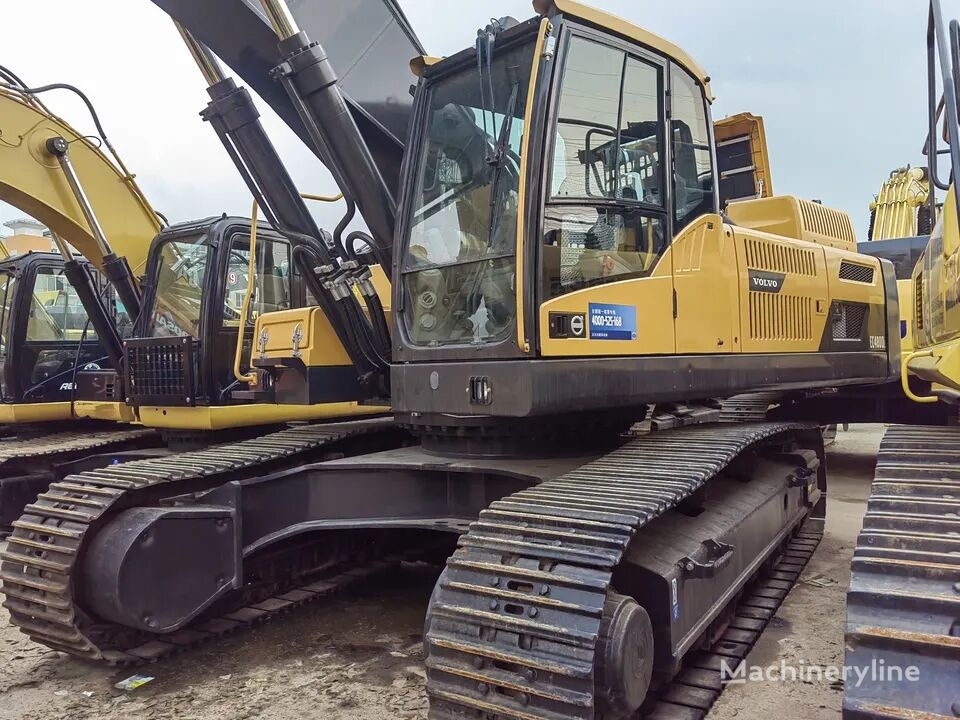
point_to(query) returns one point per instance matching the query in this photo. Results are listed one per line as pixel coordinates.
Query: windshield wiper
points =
(499, 157)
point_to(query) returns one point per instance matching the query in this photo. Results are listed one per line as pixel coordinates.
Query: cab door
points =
(704, 252)
(607, 284)
(57, 337)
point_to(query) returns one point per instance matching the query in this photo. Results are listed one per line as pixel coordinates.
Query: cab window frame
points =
(715, 208)
(661, 213)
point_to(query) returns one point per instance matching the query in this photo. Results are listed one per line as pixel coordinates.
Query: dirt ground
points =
(360, 658)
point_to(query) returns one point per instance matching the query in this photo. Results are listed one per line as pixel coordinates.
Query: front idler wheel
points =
(624, 657)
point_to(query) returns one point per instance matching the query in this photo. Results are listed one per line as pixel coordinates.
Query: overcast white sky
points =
(840, 83)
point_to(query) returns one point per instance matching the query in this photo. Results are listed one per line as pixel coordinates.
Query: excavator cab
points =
(180, 369)
(560, 241)
(47, 340)
(183, 349)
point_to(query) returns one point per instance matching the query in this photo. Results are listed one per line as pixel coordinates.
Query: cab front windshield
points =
(179, 295)
(459, 266)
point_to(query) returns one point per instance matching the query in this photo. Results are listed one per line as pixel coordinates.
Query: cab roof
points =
(627, 29)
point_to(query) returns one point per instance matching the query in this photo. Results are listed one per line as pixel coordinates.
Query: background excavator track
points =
(903, 606)
(42, 557)
(32, 456)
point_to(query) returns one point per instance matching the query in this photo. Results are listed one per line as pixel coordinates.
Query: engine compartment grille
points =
(779, 257)
(855, 272)
(827, 221)
(918, 301)
(847, 320)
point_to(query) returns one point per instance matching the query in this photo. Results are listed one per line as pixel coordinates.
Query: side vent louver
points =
(780, 317)
(780, 257)
(826, 221)
(161, 371)
(855, 272)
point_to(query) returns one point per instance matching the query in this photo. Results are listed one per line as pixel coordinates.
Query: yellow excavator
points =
(546, 207)
(902, 208)
(901, 219)
(44, 327)
(902, 607)
(73, 330)
(743, 163)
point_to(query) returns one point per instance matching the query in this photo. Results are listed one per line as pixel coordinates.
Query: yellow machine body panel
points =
(34, 412)
(653, 293)
(705, 278)
(894, 211)
(793, 217)
(223, 417)
(31, 179)
(303, 333)
(907, 322)
(306, 333)
(936, 304)
(98, 410)
(721, 288)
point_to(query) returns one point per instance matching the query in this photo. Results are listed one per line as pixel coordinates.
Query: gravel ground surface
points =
(360, 658)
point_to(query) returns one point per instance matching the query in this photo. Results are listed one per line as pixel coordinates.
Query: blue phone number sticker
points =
(613, 322)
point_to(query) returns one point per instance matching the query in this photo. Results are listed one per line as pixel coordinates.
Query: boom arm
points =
(32, 180)
(369, 42)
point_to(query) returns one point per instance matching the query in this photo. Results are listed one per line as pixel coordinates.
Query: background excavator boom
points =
(32, 180)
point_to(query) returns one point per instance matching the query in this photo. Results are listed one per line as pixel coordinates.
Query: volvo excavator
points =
(545, 205)
(902, 606)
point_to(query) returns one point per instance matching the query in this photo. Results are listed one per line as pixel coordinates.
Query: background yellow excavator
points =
(75, 329)
(743, 162)
(902, 608)
(901, 219)
(45, 328)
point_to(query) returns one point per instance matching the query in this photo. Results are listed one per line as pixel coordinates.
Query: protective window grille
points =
(780, 317)
(780, 257)
(855, 272)
(847, 321)
(160, 371)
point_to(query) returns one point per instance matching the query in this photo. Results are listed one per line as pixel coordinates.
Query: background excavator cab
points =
(198, 276)
(46, 336)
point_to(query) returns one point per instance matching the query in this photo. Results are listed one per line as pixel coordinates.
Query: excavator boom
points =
(32, 180)
(364, 40)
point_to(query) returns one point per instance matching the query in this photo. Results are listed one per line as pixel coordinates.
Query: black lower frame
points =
(531, 388)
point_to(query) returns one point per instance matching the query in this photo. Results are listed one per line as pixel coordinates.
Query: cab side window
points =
(692, 159)
(272, 289)
(605, 219)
